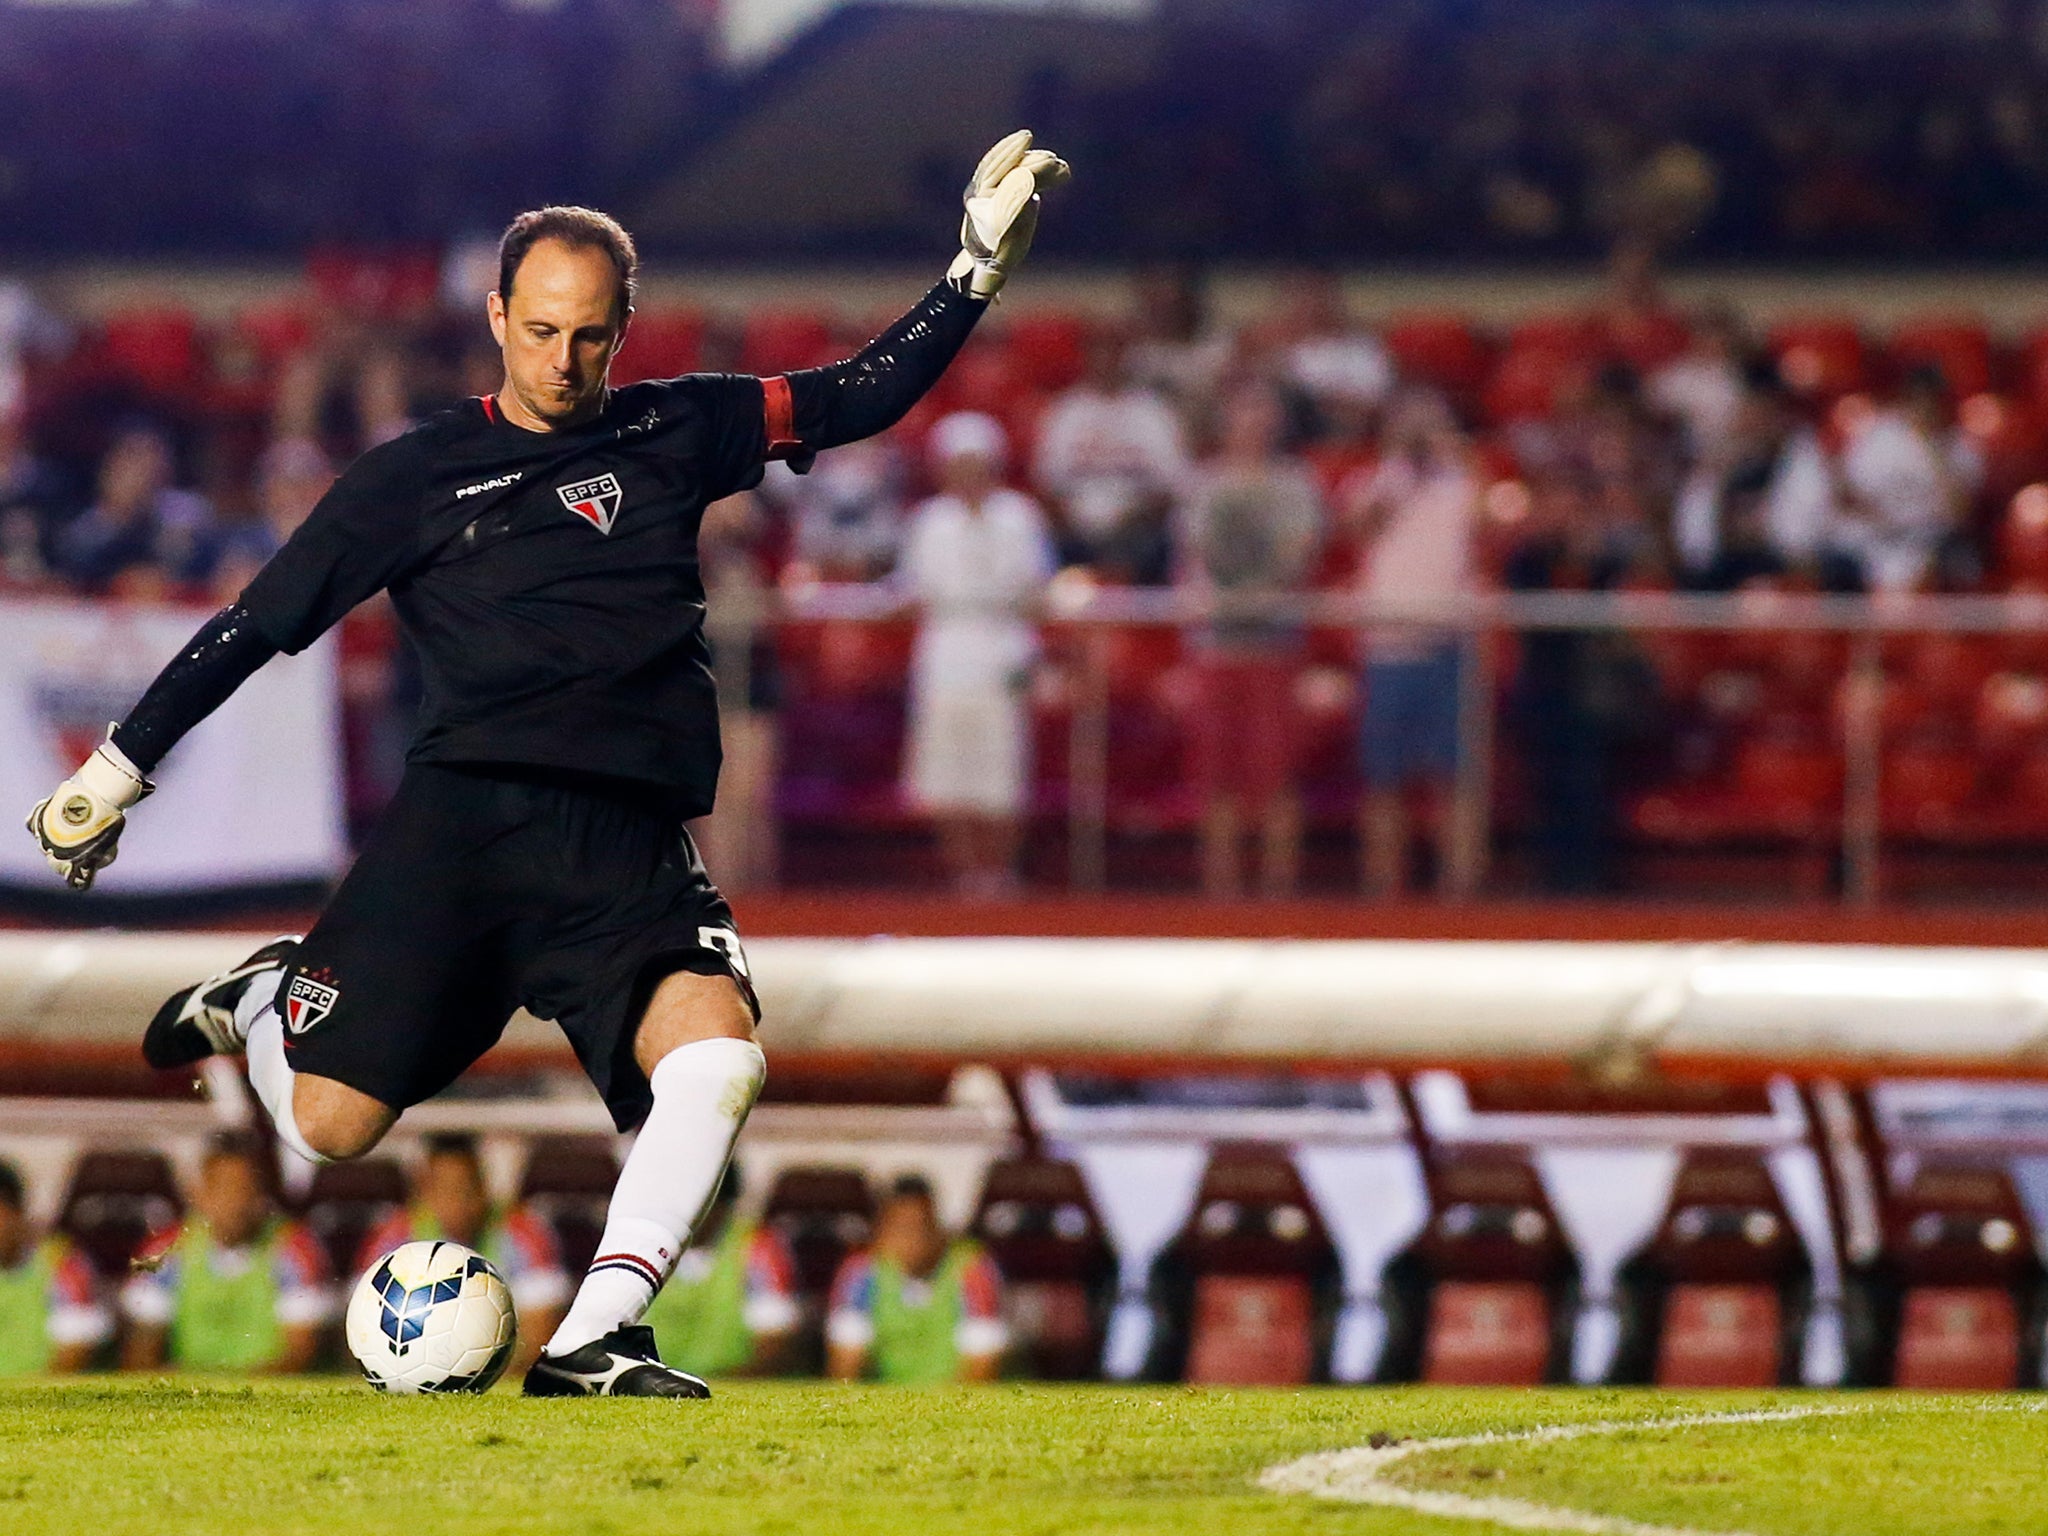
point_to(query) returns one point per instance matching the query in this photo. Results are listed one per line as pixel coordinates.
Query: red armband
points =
(778, 418)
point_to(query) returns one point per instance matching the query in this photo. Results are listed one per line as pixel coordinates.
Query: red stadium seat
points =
(1957, 1243)
(1947, 672)
(1822, 356)
(277, 331)
(1326, 713)
(383, 284)
(782, 341)
(1039, 1225)
(843, 723)
(1720, 1336)
(1958, 1339)
(1929, 777)
(1959, 346)
(346, 1201)
(2023, 535)
(1257, 1249)
(2025, 796)
(1493, 1333)
(2011, 716)
(1788, 778)
(823, 1213)
(159, 349)
(1575, 337)
(114, 1201)
(1251, 1331)
(1048, 352)
(2031, 384)
(568, 1184)
(859, 658)
(1726, 1257)
(660, 344)
(1497, 1263)
(985, 379)
(1528, 385)
(1438, 349)
(1646, 340)
(2010, 435)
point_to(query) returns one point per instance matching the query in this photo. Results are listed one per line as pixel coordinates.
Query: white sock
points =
(261, 993)
(271, 1076)
(702, 1092)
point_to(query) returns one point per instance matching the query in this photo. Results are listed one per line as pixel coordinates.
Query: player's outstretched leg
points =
(705, 1073)
(212, 1017)
(623, 1363)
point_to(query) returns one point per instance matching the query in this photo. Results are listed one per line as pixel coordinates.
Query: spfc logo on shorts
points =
(307, 1003)
(595, 501)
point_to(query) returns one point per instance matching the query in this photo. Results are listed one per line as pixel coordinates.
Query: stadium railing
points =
(1850, 706)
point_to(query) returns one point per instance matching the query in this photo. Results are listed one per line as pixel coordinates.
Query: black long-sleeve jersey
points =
(549, 580)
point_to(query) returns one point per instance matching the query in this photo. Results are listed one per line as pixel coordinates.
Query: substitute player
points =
(540, 548)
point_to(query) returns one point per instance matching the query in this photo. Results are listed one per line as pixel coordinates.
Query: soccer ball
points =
(431, 1317)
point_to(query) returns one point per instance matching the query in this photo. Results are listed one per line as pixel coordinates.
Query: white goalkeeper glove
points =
(1002, 213)
(79, 826)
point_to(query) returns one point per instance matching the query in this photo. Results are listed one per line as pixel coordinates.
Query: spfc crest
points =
(307, 1002)
(595, 501)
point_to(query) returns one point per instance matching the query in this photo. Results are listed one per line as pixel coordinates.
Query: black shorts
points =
(480, 892)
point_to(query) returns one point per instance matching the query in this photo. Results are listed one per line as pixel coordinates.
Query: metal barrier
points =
(1865, 622)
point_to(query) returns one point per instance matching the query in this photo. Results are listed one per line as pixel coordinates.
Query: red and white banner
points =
(252, 797)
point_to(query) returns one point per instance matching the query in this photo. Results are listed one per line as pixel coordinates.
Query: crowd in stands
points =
(1281, 128)
(1480, 128)
(1418, 458)
(236, 1284)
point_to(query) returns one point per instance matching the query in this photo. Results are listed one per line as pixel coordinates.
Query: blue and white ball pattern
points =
(431, 1317)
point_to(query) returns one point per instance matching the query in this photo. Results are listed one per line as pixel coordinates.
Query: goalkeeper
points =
(539, 545)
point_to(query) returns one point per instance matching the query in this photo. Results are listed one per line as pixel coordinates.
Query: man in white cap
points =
(976, 561)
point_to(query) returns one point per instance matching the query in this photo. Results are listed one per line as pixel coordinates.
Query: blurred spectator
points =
(730, 1308)
(233, 1287)
(1625, 459)
(1110, 455)
(1252, 522)
(1767, 500)
(1638, 327)
(451, 1204)
(141, 536)
(1702, 389)
(1351, 131)
(1416, 516)
(1329, 358)
(350, 393)
(1177, 350)
(51, 1314)
(739, 838)
(846, 514)
(917, 1307)
(1581, 701)
(291, 477)
(976, 562)
(32, 501)
(1908, 475)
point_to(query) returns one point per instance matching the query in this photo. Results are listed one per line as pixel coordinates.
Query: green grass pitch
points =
(106, 1457)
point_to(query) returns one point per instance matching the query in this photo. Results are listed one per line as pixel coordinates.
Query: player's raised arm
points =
(870, 392)
(357, 540)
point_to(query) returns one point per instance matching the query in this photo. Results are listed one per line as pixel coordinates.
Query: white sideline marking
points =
(1356, 1476)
